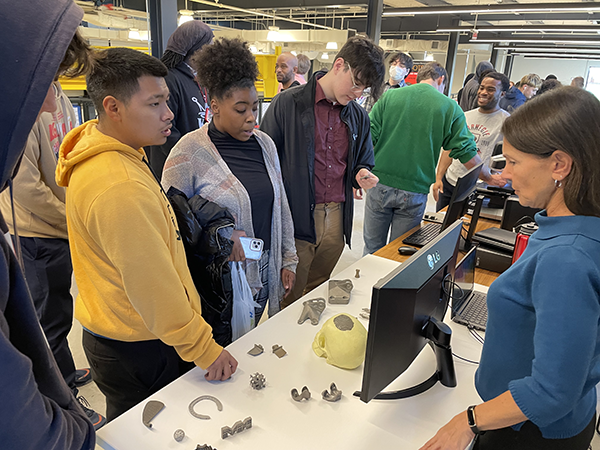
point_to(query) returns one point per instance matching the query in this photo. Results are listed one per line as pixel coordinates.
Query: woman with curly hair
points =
(236, 166)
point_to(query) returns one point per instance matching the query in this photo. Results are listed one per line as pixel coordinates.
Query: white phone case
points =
(253, 247)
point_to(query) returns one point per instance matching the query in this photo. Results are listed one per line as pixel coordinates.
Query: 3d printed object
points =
(333, 395)
(279, 351)
(258, 381)
(339, 291)
(305, 395)
(256, 350)
(312, 310)
(199, 399)
(343, 341)
(152, 408)
(237, 427)
(179, 435)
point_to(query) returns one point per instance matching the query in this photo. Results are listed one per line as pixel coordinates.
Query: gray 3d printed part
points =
(339, 291)
(312, 310)
(333, 395)
(279, 351)
(179, 435)
(366, 313)
(237, 427)
(199, 399)
(152, 408)
(204, 447)
(256, 350)
(305, 395)
(258, 381)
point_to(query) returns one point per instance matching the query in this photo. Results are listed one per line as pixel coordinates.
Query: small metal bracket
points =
(312, 310)
(339, 291)
(256, 350)
(357, 275)
(152, 408)
(237, 427)
(199, 399)
(258, 381)
(279, 351)
(305, 395)
(333, 395)
(366, 313)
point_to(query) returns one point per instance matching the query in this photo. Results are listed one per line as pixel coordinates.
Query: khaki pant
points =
(316, 261)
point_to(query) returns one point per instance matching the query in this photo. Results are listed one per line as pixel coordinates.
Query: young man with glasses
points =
(325, 149)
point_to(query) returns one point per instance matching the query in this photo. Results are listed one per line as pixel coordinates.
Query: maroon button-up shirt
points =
(331, 150)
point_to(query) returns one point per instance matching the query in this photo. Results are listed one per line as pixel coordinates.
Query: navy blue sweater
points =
(542, 339)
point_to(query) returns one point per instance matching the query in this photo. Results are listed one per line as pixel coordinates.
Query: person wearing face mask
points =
(400, 66)
(232, 164)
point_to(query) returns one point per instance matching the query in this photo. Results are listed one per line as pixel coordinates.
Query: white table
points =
(282, 423)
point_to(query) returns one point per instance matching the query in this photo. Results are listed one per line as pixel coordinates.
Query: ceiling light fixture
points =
(331, 46)
(535, 41)
(134, 33)
(517, 29)
(325, 56)
(493, 9)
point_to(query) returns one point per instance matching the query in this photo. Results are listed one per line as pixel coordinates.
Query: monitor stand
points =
(438, 334)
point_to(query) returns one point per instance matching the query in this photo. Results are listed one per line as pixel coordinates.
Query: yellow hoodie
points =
(128, 257)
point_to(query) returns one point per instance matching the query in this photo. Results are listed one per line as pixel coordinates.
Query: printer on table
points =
(496, 248)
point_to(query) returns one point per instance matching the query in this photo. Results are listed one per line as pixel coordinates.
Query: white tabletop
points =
(282, 423)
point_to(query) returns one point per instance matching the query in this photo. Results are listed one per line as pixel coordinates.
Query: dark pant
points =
(48, 272)
(444, 197)
(129, 372)
(529, 437)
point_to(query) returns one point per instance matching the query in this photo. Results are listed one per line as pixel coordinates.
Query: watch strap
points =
(472, 421)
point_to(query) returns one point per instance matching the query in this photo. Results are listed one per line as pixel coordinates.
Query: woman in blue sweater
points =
(541, 358)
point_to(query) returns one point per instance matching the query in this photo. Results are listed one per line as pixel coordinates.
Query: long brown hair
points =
(566, 119)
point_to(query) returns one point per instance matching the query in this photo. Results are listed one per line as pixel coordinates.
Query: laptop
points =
(470, 308)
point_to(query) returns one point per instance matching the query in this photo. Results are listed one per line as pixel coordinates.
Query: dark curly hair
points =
(224, 65)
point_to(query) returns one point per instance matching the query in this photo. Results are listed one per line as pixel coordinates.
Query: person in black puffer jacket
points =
(206, 230)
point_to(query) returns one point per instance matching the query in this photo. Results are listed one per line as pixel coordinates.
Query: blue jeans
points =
(387, 206)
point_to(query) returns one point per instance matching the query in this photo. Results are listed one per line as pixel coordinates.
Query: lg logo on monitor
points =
(432, 259)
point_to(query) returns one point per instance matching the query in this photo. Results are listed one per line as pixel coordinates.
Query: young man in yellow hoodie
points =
(137, 301)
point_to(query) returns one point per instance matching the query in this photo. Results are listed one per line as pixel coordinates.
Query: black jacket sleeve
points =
(365, 159)
(272, 123)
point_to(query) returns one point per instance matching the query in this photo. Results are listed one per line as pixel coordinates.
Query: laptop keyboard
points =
(475, 311)
(423, 235)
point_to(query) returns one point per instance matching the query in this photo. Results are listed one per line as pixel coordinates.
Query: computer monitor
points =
(460, 196)
(407, 309)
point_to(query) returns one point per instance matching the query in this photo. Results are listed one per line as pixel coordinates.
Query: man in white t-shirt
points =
(485, 123)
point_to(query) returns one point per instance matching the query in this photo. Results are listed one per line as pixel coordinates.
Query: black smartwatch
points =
(472, 422)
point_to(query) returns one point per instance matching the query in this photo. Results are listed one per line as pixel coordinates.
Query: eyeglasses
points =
(355, 87)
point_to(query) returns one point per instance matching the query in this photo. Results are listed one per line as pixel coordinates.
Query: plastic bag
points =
(242, 319)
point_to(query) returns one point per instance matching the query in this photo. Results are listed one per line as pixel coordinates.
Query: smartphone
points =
(253, 247)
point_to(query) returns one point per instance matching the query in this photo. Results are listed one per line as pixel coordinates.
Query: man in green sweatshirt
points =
(409, 127)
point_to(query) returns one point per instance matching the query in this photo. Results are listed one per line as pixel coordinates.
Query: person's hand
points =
(223, 367)
(436, 188)
(357, 193)
(496, 179)
(288, 278)
(237, 252)
(366, 179)
(455, 435)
